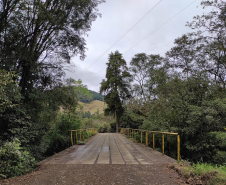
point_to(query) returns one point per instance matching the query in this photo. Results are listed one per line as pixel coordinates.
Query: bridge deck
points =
(108, 148)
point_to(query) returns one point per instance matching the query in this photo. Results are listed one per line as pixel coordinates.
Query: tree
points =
(182, 55)
(82, 92)
(142, 69)
(38, 38)
(116, 86)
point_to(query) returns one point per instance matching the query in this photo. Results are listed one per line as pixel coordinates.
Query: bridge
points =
(108, 148)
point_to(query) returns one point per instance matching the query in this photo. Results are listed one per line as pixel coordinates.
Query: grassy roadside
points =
(201, 173)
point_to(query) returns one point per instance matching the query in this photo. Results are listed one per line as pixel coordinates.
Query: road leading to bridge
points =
(107, 159)
(108, 148)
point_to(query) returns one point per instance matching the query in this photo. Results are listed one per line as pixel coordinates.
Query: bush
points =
(104, 127)
(58, 137)
(14, 160)
(220, 157)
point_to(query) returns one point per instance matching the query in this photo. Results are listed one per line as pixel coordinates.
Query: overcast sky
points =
(118, 16)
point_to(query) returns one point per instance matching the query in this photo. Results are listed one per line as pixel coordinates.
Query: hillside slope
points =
(93, 106)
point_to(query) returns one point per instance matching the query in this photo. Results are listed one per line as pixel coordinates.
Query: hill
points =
(86, 96)
(93, 106)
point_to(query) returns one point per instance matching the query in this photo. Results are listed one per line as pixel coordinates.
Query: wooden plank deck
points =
(108, 148)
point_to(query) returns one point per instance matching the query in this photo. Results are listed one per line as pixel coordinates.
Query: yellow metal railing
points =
(83, 133)
(131, 132)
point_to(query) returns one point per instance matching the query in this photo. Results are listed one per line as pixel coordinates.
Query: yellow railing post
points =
(76, 137)
(71, 139)
(178, 148)
(83, 134)
(146, 138)
(141, 136)
(153, 140)
(162, 144)
(80, 136)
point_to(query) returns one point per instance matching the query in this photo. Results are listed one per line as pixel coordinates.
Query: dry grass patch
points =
(93, 106)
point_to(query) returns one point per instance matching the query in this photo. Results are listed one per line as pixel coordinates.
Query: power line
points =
(160, 26)
(157, 29)
(123, 35)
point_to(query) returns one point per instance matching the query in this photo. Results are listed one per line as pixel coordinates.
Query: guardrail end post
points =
(178, 148)
(141, 137)
(162, 144)
(71, 139)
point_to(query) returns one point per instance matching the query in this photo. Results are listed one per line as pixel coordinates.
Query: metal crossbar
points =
(131, 133)
(83, 133)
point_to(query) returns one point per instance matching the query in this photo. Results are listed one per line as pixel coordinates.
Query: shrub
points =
(59, 136)
(220, 157)
(104, 127)
(14, 160)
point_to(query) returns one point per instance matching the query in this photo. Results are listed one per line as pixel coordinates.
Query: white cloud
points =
(117, 17)
(91, 79)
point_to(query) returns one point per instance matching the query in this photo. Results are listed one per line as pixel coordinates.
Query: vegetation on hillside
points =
(86, 96)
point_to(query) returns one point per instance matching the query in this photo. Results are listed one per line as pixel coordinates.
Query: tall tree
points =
(116, 86)
(37, 38)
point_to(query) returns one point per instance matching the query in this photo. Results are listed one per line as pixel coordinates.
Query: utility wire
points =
(123, 35)
(157, 29)
(160, 27)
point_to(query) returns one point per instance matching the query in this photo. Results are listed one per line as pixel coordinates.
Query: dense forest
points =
(37, 40)
(182, 92)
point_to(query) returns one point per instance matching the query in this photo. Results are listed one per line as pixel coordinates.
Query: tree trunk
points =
(117, 124)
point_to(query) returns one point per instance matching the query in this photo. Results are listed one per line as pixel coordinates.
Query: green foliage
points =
(104, 127)
(58, 137)
(191, 112)
(82, 92)
(218, 142)
(96, 96)
(210, 174)
(86, 114)
(14, 160)
(185, 91)
(142, 69)
(37, 40)
(9, 92)
(87, 96)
